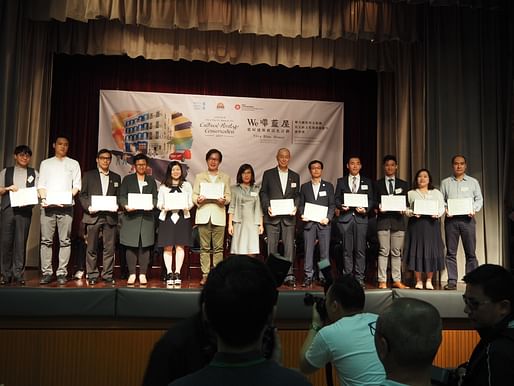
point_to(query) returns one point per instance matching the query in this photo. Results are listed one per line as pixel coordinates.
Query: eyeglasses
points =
(105, 158)
(372, 327)
(472, 303)
(214, 159)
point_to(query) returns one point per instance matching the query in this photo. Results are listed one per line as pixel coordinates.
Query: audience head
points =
(489, 295)
(344, 296)
(408, 334)
(238, 300)
(249, 174)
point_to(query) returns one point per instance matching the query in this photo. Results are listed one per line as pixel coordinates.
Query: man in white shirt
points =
(15, 220)
(460, 185)
(59, 176)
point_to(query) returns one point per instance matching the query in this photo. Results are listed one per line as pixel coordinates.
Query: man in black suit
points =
(353, 221)
(390, 225)
(100, 182)
(281, 183)
(317, 192)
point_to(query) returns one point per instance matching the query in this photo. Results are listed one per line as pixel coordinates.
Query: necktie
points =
(354, 184)
(391, 189)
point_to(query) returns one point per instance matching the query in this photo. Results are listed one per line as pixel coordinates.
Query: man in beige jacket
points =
(210, 212)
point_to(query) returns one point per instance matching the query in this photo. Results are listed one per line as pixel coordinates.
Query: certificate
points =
(426, 207)
(59, 198)
(313, 212)
(23, 197)
(393, 203)
(460, 206)
(140, 201)
(356, 200)
(104, 203)
(212, 190)
(175, 201)
(282, 207)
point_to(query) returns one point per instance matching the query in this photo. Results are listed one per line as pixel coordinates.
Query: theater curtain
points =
(444, 72)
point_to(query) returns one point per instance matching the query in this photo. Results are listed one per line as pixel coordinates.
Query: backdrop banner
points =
(184, 127)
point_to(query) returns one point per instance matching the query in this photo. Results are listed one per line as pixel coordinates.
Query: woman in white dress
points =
(245, 214)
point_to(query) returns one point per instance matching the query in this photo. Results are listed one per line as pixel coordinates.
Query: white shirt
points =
(59, 174)
(283, 179)
(357, 182)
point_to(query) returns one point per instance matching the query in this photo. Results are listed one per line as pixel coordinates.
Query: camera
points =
(309, 299)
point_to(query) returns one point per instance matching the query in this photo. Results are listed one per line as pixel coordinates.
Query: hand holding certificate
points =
(426, 207)
(390, 203)
(460, 206)
(212, 190)
(356, 200)
(140, 201)
(103, 203)
(313, 212)
(283, 207)
(23, 197)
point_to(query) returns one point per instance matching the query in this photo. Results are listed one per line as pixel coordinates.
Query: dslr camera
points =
(309, 299)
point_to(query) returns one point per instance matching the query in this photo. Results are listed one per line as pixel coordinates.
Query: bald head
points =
(409, 333)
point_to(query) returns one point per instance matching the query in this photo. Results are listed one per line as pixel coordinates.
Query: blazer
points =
(92, 186)
(365, 187)
(271, 189)
(211, 210)
(139, 223)
(325, 199)
(394, 221)
(236, 205)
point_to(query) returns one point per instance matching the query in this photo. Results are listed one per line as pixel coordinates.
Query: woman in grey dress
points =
(245, 214)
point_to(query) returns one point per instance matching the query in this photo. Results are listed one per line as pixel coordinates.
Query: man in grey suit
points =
(317, 192)
(281, 183)
(100, 182)
(353, 221)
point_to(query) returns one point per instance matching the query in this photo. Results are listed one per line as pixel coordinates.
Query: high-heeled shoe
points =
(142, 279)
(429, 285)
(419, 285)
(131, 279)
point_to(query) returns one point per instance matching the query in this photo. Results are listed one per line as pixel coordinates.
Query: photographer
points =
(344, 338)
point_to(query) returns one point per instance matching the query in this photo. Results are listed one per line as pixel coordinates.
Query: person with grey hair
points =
(407, 336)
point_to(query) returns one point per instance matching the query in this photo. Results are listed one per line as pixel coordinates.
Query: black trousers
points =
(14, 234)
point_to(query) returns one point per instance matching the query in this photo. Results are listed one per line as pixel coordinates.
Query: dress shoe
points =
(419, 285)
(4, 281)
(429, 285)
(61, 279)
(109, 280)
(20, 281)
(170, 279)
(78, 275)
(290, 282)
(400, 285)
(45, 279)
(92, 281)
(382, 285)
(142, 279)
(131, 279)
(450, 287)
(203, 281)
(178, 280)
(307, 282)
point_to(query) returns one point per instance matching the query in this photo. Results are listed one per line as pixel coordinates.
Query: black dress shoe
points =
(61, 279)
(45, 279)
(92, 281)
(450, 287)
(290, 282)
(20, 281)
(307, 282)
(4, 281)
(109, 280)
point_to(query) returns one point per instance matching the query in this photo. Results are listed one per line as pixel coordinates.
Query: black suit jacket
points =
(365, 187)
(92, 186)
(272, 190)
(394, 221)
(324, 199)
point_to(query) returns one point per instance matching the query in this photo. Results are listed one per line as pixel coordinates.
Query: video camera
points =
(310, 299)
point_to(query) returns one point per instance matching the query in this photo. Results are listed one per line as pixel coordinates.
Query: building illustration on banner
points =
(159, 133)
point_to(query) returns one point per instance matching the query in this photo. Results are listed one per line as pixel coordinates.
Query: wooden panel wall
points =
(118, 357)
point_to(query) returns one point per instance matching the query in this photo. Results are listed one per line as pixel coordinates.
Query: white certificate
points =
(23, 197)
(282, 207)
(393, 203)
(175, 201)
(104, 203)
(212, 190)
(59, 198)
(356, 200)
(460, 206)
(313, 212)
(140, 201)
(426, 207)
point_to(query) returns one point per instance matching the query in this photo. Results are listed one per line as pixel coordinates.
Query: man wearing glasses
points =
(15, 220)
(100, 182)
(489, 299)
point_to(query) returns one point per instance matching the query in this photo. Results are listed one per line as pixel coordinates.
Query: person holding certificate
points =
(317, 207)
(424, 249)
(211, 192)
(175, 201)
(16, 180)
(280, 196)
(245, 214)
(99, 198)
(391, 224)
(138, 196)
(354, 198)
(59, 181)
(464, 192)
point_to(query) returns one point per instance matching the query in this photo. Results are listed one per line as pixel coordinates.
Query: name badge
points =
(293, 184)
(364, 187)
(322, 193)
(116, 184)
(253, 194)
(464, 189)
(30, 179)
(398, 190)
